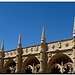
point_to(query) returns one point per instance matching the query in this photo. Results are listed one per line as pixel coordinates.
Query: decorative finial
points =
(19, 42)
(74, 28)
(43, 39)
(2, 47)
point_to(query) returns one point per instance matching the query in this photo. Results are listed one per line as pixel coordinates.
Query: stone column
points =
(41, 63)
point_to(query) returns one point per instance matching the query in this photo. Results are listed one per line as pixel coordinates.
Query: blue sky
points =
(28, 20)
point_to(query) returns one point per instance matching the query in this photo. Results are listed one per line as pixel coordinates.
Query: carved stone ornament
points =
(31, 49)
(23, 58)
(36, 48)
(67, 44)
(69, 52)
(53, 46)
(49, 55)
(7, 54)
(26, 50)
(38, 55)
(59, 44)
(14, 52)
(11, 53)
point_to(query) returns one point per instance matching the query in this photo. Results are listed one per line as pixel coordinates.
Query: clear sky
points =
(28, 20)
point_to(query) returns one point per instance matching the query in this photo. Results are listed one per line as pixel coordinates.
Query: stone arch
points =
(9, 63)
(29, 61)
(57, 58)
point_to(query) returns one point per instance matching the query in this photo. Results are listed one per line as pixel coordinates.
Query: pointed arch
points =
(8, 64)
(57, 58)
(29, 61)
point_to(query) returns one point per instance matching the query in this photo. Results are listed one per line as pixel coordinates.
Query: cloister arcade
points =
(59, 63)
(56, 57)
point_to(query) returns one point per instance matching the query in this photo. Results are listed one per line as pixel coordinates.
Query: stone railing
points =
(58, 45)
(31, 50)
(11, 53)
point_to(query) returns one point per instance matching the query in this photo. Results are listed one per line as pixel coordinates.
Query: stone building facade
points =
(54, 57)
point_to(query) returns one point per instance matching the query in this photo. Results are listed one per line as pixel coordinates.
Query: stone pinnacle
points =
(74, 28)
(2, 47)
(43, 39)
(19, 41)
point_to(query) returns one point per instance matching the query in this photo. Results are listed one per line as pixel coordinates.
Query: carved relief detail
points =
(23, 58)
(14, 59)
(36, 48)
(67, 44)
(38, 56)
(7, 54)
(49, 55)
(53, 46)
(69, 52)
(26, 50)
(31, 49)
(11, 53)
(59, 44)
(15, 52)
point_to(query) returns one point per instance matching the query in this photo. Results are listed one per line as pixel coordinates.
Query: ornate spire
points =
(74, 28)
(19, 42)
(2, 47)
(43, 39)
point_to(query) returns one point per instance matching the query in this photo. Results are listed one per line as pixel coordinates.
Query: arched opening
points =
(57, 62)
(10, 66)
(28, 70)
(30, 65)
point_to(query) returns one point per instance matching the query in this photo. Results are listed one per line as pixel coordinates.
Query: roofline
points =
(39, 44)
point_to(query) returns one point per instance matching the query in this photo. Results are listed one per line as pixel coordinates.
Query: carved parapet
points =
(31, 50)
(10, 54)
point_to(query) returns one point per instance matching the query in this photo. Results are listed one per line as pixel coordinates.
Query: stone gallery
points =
(56, 57)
